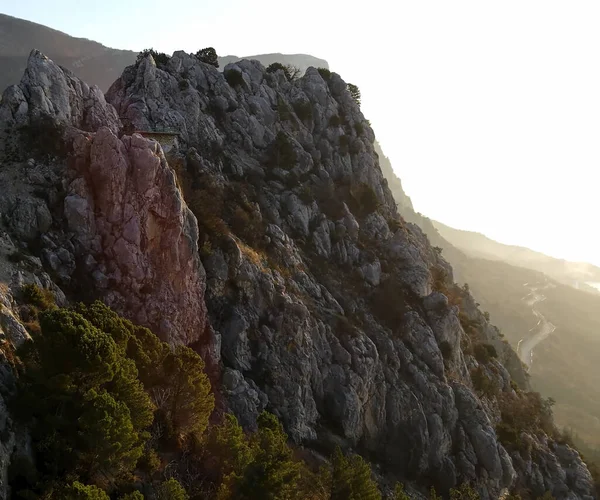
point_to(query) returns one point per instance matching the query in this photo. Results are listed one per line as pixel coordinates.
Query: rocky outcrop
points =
(300, 61)
(328, 308)
(334, 320)
(112, 222)
(135, 236)
(47, 89)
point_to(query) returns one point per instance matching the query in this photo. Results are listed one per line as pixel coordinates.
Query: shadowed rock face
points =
(121, 225)
(328, 311)
(314, 343)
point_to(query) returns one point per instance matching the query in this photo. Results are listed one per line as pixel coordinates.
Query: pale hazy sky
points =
(489, 111)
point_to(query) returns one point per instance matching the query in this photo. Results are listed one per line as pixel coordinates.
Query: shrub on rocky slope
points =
(305, 292)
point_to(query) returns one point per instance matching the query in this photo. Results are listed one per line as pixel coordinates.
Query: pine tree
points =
(354, 92)
(399, 493)
(273, 474)
(464, 492)
(134, 495)
(351, 478)
(190, 401)
(109, 441)
(171, 490)
(208, 56)
(78, 491)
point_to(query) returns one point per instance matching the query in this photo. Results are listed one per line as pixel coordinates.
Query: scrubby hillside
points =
(291, 273)
(89, 60)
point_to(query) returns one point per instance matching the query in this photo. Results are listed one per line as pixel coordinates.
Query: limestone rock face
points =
(15, 439)
(339, 321)
(47, 89)
(135, 235)
(112, 221)
(327, 307)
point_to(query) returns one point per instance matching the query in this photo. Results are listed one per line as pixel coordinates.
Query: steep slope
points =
(328, 309)
(500, 276)
(315, 342)
(94, 63)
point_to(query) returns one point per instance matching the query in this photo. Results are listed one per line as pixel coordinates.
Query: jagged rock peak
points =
(48, 89)
(327, 308)
(113, 222)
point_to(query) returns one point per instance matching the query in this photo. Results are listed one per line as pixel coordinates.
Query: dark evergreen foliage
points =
(354, 92)
(208, 56)
(160, 58)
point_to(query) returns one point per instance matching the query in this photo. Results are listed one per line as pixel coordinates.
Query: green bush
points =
(285, 112)
(183, 84)
(491, 350)
(281, 152)
(344, 142)
(306, 194)
(149, 462)
(189, 402)
(262, 466)
(38, 297)
(84, 393)
(399, 493)
(171, 490)
(134, 495)
(325, 73)
(335, 121)
(247, 224)
(208, 56)
(354, 93)
(304, 110)
(508, 435)
(484, 352)
(160, 58)
(78, 491)
(351, 479)
(464, 492)
(482, 383)
(276, 66)
(234, 78)
(291, 72)
(363, 199)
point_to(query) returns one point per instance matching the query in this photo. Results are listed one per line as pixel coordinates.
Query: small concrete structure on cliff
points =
(168, 139)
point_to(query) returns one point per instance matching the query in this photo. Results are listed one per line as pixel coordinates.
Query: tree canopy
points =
(208, 56)
(354, 92)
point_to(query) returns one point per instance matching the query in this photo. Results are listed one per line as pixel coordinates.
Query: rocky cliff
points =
(300, 61)
(293, 272)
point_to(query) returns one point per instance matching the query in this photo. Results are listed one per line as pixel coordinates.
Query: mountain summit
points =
(267, 241)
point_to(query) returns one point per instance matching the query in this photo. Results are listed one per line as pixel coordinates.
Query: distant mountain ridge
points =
(565, 366)
(479, 245)
(91, 61)
(301, 61)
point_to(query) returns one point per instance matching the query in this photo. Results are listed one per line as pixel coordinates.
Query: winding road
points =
(540, 331)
